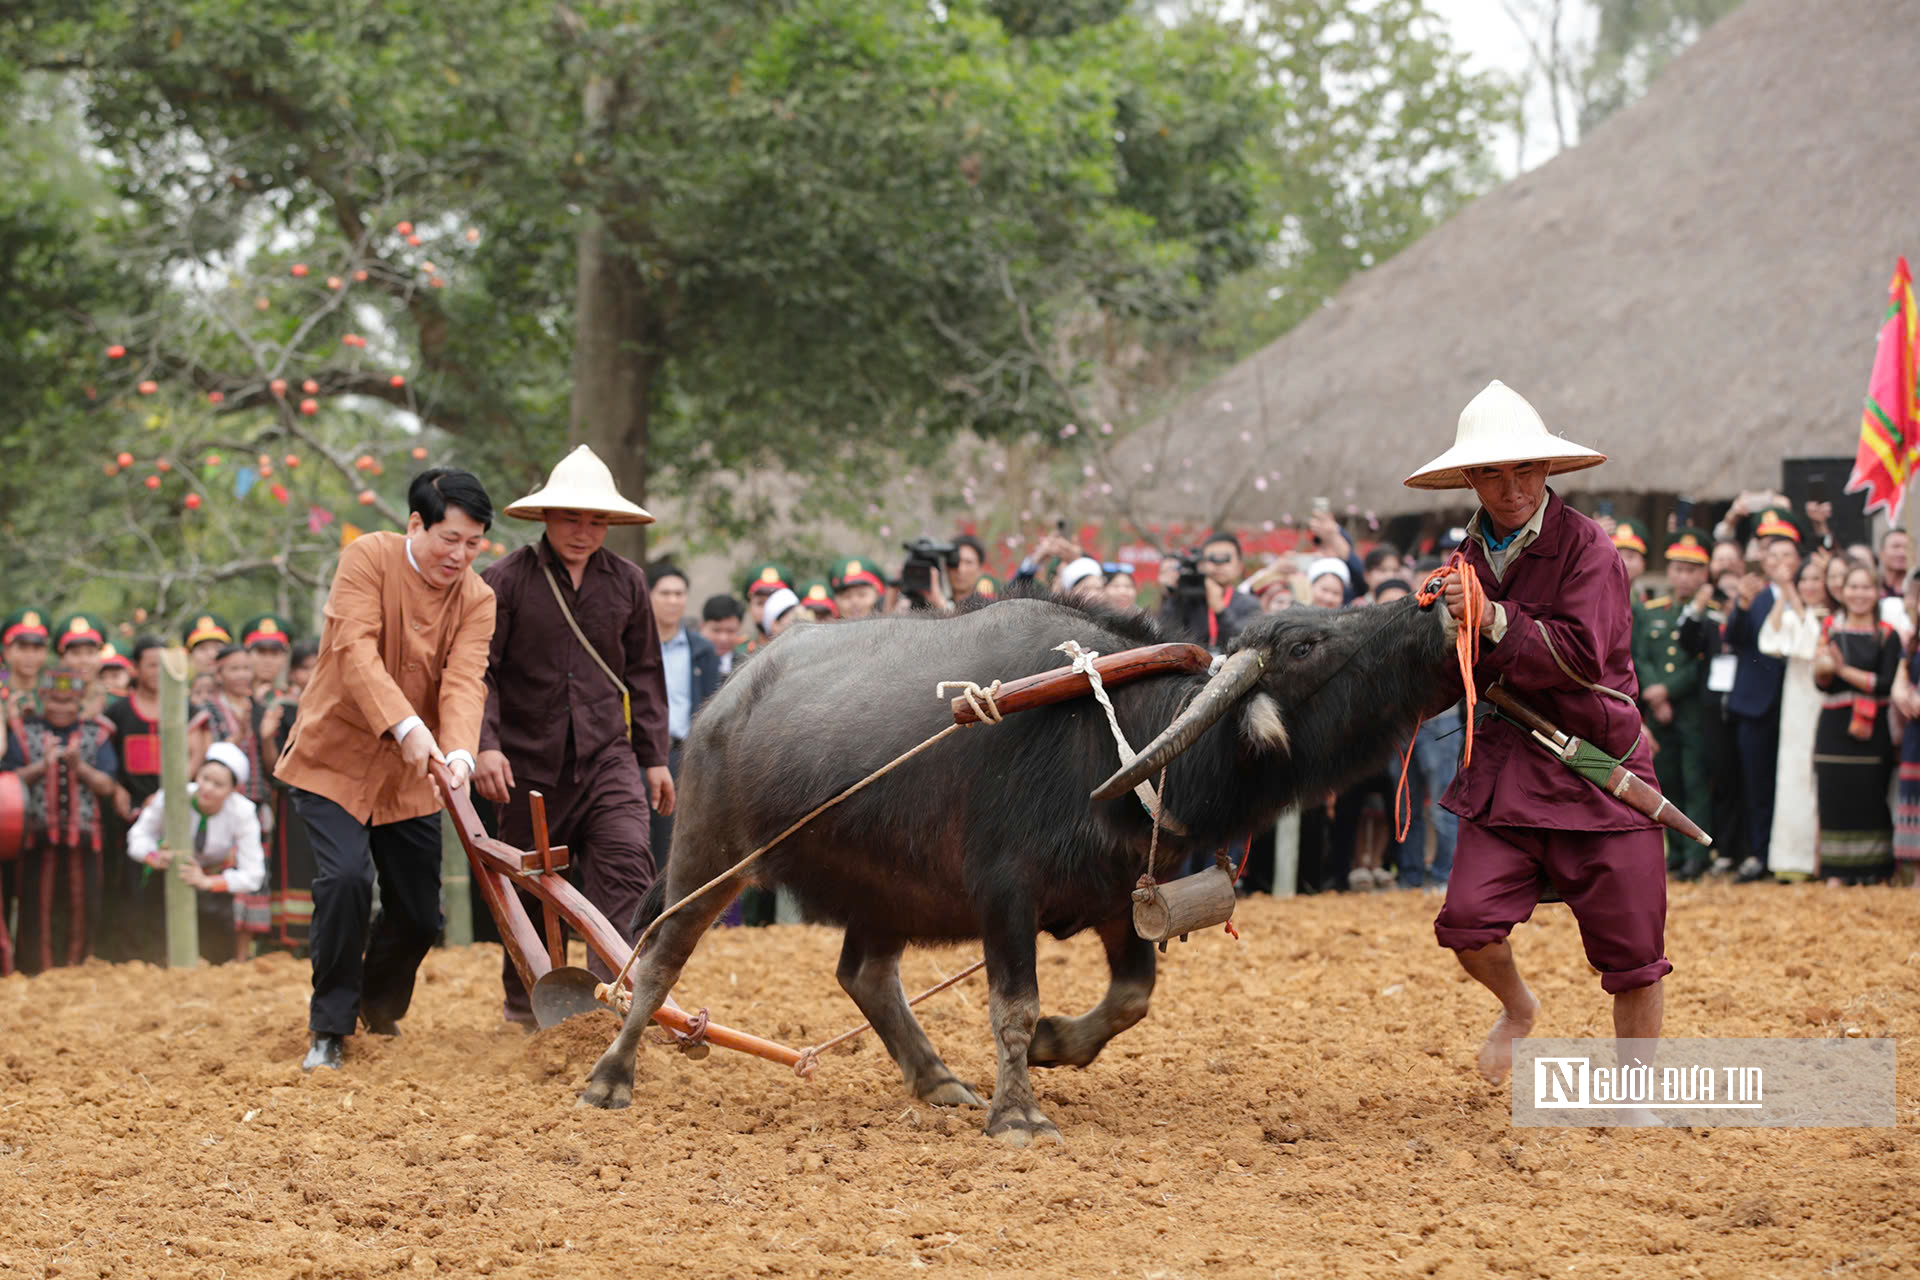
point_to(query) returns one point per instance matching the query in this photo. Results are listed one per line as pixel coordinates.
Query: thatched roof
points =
(1694, 290)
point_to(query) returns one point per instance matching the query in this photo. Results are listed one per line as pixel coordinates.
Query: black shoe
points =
(324, 1053)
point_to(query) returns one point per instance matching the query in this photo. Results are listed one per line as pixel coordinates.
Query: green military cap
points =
(816, 595)
(1690, 546)
(112, 657)
(78, 628)
(986, 587)
(265, 630)
(854, 572)
(204, 627)
(27, 626)
(1776, 523)
(764, 578)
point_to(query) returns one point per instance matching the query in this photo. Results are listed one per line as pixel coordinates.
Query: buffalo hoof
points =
(1023, 1127)
(951, 1093)
(1062, 1042)
(608, 1095)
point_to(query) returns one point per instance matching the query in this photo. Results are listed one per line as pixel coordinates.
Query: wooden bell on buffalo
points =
(1179, 907)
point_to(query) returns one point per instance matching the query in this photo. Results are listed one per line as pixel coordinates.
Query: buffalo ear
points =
(1261, 726)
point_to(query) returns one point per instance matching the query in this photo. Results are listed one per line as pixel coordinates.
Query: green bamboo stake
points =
(456, 885)
(183, 919)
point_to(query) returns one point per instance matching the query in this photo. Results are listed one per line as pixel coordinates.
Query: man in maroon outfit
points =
(1557, 632)
(577, 698)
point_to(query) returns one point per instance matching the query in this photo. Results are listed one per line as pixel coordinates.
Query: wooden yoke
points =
(1064, 683)
(499, 869)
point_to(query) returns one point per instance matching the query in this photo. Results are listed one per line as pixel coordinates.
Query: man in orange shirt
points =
(402, 671)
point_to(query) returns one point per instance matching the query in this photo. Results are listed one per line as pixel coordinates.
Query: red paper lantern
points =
(162, 464)
(438, 282)
(148, 387)
(216, 397)
(116, 351)
(193, 502)
(335, 282)
(299, 270)
(153, 482)
(278, 386)
(261, 303)
(309, 407)
(366, 497)
(419, 453)
(293, 460)
(213, 459)
(473, 235)
(279, 493)
(264, 461)
(396, 381)
(404, 228)
(309, 386)
(362, 462)
(360, 276)
(414, 241)
(124, 459)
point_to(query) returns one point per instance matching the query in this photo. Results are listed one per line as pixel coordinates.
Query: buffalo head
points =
(1331, 692)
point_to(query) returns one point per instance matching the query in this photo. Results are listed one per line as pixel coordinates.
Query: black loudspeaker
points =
(1806, 480)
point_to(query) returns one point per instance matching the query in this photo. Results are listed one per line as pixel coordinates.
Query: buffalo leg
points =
(610, 1085)
(1075, 1042)
(1013, 1003)
(870, 973)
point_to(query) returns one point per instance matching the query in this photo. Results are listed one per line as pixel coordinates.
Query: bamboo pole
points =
(456, 885)
(183, 920)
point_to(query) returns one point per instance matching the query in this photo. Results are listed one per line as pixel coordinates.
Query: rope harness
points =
(1467, 650)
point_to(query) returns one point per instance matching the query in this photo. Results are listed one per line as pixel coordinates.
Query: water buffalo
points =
(991, 834)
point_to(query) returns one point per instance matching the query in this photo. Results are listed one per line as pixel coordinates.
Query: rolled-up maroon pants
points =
(1615, 881)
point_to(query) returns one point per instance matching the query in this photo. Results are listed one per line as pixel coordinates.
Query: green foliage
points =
(842, 231)
(1636, 40)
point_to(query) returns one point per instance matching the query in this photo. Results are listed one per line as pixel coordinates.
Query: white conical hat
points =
(1497, 427)
(581, 482)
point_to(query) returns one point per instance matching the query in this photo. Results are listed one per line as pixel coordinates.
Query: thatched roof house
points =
(1694, 289)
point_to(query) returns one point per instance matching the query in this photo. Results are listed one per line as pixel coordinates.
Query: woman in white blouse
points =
(226, 862)
(1792, 631)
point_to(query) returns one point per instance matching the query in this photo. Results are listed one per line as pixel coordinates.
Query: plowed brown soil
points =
(1301, 1102)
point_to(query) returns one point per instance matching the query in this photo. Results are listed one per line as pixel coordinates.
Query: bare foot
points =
(1496, 1055)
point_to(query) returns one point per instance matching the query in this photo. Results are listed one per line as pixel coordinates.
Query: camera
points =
(1191, 585)
(925, 558)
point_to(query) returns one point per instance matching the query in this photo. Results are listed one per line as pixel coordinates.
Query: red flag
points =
(1890, 424)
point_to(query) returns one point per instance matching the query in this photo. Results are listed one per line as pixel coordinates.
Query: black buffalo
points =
(991, 834)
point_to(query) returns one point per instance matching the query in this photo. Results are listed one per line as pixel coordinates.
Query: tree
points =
(782, 224)
(1636, 40)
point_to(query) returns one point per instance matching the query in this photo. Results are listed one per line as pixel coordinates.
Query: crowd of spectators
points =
(1778, 674)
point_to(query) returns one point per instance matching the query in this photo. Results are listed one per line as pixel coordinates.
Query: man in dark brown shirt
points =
(584, 724)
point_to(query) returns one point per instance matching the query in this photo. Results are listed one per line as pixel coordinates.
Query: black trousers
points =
(352, 967)
(1724, 778)
(1758, 741)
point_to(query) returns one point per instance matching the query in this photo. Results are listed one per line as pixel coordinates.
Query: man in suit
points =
(576, 698)
(692, 670)
(1754, 703)
(401, 675)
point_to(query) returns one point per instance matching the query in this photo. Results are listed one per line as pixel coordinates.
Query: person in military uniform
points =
(1670, 660)
(25, 643)
(267, 643)
(818, 599)
(762, 580)
(1632, 546)
(204, 638)
(857, 589)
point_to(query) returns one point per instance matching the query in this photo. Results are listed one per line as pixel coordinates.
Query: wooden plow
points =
(559, 991)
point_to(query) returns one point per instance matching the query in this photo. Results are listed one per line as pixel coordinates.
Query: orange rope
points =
(1467, 650)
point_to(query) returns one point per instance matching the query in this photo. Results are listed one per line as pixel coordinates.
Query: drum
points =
(13, 816)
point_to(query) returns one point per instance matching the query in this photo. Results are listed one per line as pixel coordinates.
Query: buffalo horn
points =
(1237, 674)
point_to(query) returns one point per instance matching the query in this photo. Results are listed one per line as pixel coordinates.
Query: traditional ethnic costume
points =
(1906, 827)
(226, 844)
(1560, 638)
(577, 701)
(61, 868)
(1853, 759)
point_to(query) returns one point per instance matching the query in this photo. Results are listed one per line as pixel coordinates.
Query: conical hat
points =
(1498, 427)
(581, 482)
